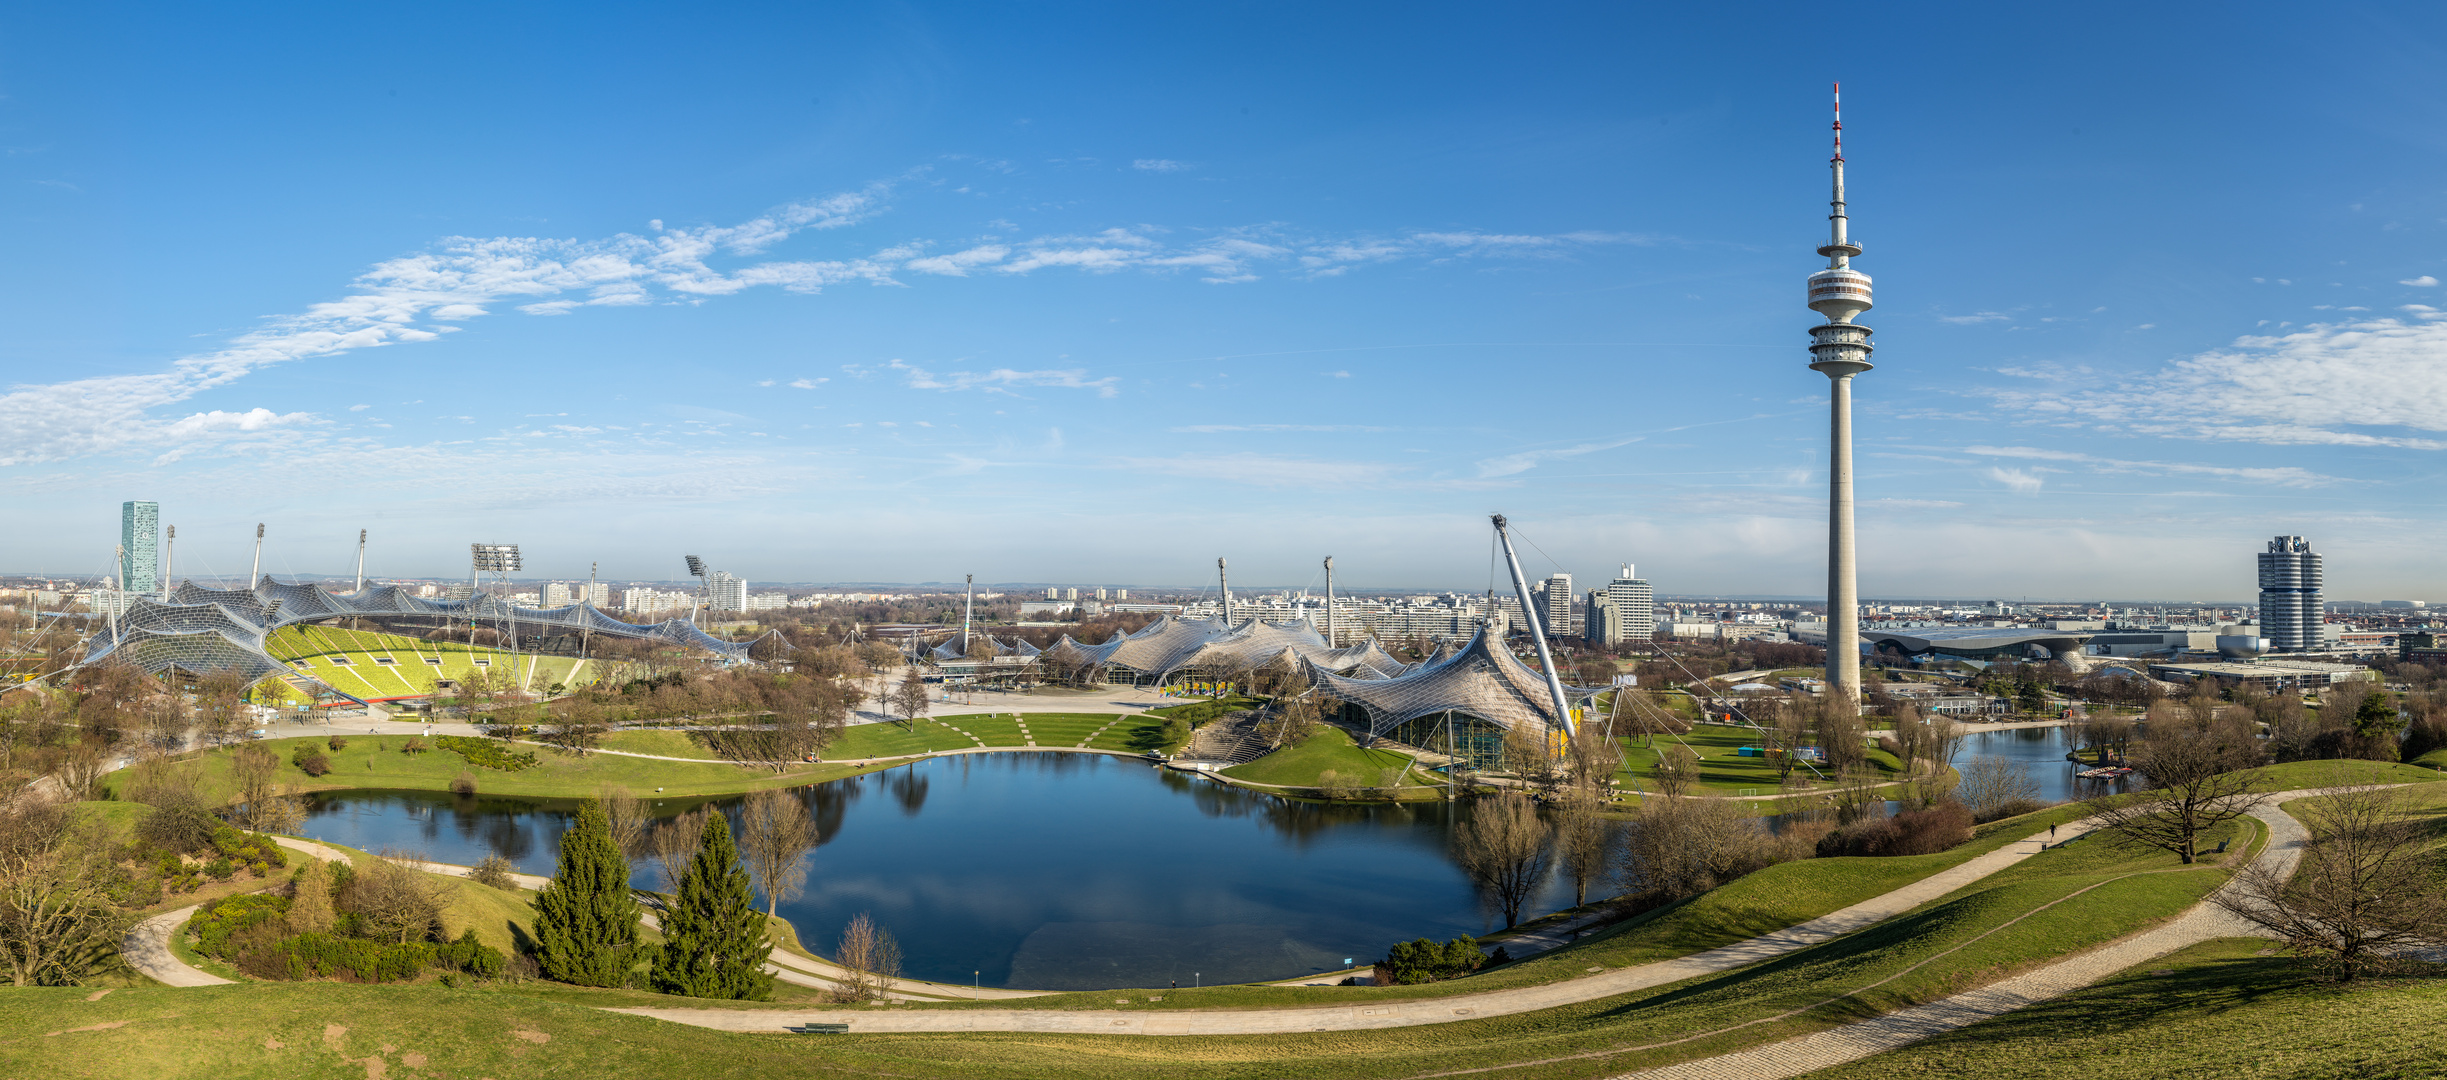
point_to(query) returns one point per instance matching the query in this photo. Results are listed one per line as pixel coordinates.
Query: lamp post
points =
(502, 560)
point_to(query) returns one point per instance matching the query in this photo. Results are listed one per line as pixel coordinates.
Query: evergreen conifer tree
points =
(585, 919)
(714, 943)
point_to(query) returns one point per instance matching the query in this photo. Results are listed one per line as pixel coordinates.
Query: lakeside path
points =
(1386, 1014)
(146, 945)
(2203, 922)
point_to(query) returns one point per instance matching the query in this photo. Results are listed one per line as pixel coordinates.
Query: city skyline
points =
(939, 308)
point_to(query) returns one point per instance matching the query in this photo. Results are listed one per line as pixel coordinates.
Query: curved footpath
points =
(1386, 1014)
(1852, 1042)
(147, 944)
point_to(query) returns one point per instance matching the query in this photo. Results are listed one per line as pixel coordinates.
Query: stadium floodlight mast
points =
(502, 560)
(696, 569)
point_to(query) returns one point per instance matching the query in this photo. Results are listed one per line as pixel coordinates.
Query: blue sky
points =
(1098, 293)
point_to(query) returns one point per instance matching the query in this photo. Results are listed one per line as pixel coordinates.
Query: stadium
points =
(287, 632)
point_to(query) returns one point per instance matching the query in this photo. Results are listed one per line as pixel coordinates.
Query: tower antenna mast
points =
(1840, 350)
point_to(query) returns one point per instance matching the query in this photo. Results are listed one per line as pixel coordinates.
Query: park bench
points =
(820, 1029)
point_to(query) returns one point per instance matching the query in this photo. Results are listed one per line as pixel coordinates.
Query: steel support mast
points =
(1331, 641)
(1537, 632)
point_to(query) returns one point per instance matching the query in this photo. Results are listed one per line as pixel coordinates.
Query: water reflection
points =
(1055, 871)
(1066, 871)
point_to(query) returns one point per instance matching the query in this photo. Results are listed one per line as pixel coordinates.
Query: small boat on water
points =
(2104, 773)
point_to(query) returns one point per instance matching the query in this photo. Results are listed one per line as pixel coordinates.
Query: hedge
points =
(215, 922)
(308, 956)
(485, 753)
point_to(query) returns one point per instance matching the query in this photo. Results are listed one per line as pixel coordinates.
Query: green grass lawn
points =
(1330, 749)
(665, 743)
(228, 1031)
(1722, 771)
(992, 730)
(894, 740)
(1137, 734)
(2219, 1010)
(375, 761)
(378, 665)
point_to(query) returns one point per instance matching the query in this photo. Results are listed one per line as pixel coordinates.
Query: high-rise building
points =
(598, 594)
(1555, 606)
(1053, 592)
(1121, 594)
(726, 593)
(1625, 610)
(140, 535)
(554, 594)
(1840, 349)
(2292, 616)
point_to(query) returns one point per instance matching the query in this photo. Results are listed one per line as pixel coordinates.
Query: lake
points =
(1047, 871)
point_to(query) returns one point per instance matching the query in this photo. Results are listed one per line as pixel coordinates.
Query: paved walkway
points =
(147, 945)
(1852, 1042)
(1389, 1014)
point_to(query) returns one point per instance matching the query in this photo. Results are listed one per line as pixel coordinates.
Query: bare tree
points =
(57, 922)
(1503, 848)
(396, 902)
(1677, 769)
(1684, 847)
(1527, 755)
(255, 769)
(910, 697)
(628, 817)
(1580, 840)
(776, 833)
(2366, 894)
(1994, 787)
(869, 958)
(2198, 778)
(1841, 735)
(674, 845)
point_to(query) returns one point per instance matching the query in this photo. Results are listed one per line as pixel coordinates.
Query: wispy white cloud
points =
(1213, 429)
(1512, 464)
(1975, 318)
(1002, 380)
(1260, 470)
(2424, 281)
(2280, 476)
(2022, 481)
(2338, 384)
(1157, 165)
(807, 384)
(422, 296)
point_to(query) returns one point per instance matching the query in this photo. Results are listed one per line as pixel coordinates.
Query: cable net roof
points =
(199, 630)
(1173, 643)
(1017, 648)
(1481, 679)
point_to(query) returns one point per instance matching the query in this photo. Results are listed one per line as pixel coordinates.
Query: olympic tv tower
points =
(1840, 349)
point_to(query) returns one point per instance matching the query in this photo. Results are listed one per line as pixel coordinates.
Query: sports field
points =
(377, 666)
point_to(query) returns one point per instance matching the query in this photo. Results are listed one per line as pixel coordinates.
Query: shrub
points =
(413, 747)
(486, 754)
(464, 783)
(179, 826)
(494, 872)
(1913, 832)
(337, 743)
(310, 760)
(1411, 962)
(220, 869)
(214, 923)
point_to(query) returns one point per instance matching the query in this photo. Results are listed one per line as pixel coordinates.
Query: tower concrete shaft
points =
(1331, 641)
(1839, 349)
